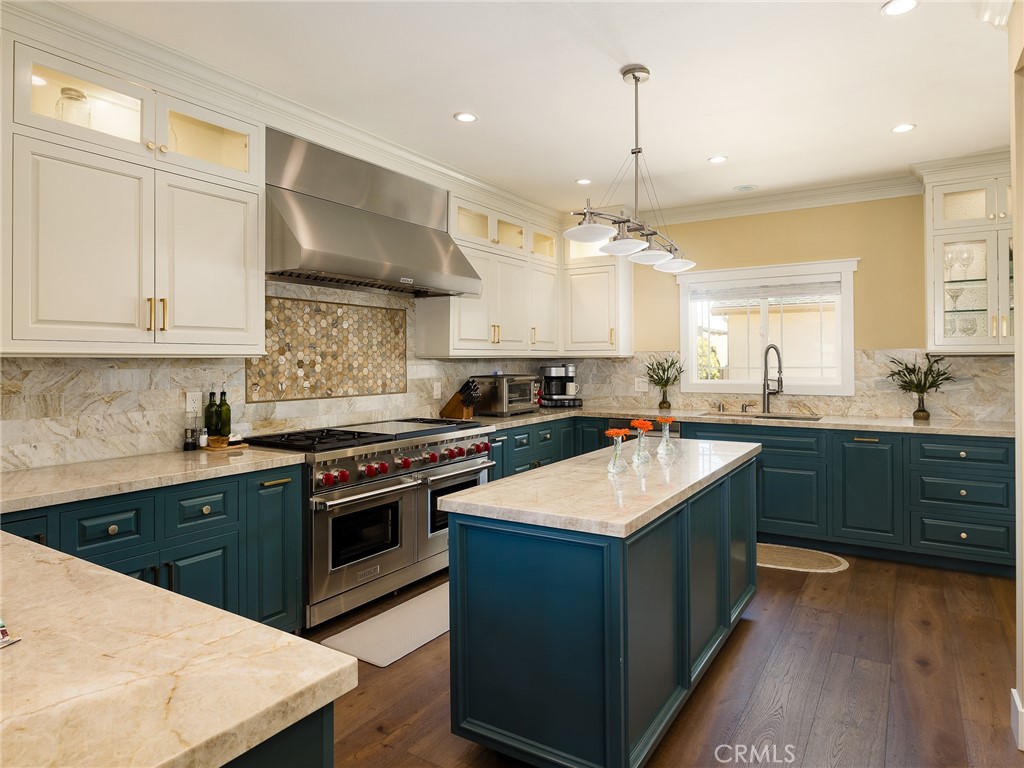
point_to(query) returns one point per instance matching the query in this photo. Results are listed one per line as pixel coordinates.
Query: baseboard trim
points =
(1016, 718)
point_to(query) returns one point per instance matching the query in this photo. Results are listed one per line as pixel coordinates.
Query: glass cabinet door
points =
(60, 96)
(486, 227)
(967, 300)
(965, 204)
(1006, 288)
(543, 245)
(200, 138)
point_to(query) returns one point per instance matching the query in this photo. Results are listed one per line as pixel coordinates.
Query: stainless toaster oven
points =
(505, 394)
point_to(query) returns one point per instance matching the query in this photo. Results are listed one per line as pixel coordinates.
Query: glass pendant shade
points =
(675, 266)
(589, 232)
(623, 246)
(651, 256)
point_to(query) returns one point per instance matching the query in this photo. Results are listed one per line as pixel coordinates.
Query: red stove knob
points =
(460, 451)
(450, 453)
(403, 463)
(431, 457)
(382, 467)
(483, 448)
(341, 475)
(370, 470)
(325, 478)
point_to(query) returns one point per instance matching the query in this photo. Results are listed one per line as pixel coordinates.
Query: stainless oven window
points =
(438, 519)
(365, 533)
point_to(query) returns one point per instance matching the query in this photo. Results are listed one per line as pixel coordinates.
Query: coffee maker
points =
(558, 387)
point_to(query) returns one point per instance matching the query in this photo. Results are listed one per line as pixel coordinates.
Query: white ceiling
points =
(798, 95)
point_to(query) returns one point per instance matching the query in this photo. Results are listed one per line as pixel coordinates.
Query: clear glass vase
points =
(640, 453)
(617, 463)
(665, 447)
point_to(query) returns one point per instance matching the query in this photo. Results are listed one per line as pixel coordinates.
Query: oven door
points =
(432, 523)
(361, 534)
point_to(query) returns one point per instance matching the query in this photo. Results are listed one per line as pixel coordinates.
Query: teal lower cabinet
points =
(589, 434)
(234, 543)
(499, 454)
(868, 488)
(565, 438)
(575, 649)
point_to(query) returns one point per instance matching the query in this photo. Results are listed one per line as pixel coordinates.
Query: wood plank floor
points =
(880, 665)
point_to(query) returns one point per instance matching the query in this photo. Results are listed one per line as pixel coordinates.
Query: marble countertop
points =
(580, 494)
(44, 486)
(112, 671)
(935, 426)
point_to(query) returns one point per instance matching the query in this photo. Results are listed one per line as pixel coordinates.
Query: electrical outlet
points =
(193, 402)
(641, 385)
(437, 390)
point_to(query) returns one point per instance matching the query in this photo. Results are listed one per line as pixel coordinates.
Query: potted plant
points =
(663, 374)
(911, 377)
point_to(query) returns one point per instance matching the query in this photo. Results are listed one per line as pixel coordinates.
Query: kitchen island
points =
(112, 671)
(585, 605)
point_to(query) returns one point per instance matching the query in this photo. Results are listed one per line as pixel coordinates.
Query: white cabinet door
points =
(543, 244)
(544, 304)
(209, 285)
(509, 311)
(82, 256)
(194, 137)
(472, 327)
(965, 204)
(484, 226)
(590, 310)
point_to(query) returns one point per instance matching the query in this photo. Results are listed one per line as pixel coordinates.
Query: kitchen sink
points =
(755, 415)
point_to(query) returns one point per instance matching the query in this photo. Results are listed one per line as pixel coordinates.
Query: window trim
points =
(812, 271)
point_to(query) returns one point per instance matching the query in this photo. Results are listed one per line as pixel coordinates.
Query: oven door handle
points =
(477, 468)
(320, 506)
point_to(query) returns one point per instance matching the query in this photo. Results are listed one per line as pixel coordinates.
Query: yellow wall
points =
(889, 285)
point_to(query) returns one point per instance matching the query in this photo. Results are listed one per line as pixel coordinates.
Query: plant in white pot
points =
(663, 373)
(911, 377)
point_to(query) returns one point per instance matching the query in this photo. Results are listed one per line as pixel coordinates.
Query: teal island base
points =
(577, 649)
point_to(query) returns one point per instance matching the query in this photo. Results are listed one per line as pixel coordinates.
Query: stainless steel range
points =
(374, 525)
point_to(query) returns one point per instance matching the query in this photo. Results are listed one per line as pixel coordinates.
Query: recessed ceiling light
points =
(37, 80)
(899, 7)
(717, 159)
(583, 182)
(903, 127)
(465, 117)
(745, 188)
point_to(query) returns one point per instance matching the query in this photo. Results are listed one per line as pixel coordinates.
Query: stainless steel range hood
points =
(336, 220)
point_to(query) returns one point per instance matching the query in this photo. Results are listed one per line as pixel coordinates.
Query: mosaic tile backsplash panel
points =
(318, 349)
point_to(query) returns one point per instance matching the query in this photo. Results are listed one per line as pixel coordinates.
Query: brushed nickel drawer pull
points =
(207, 509)
(865, 439)
(963, 492)
(270, 483)
(963, 454)
(112, 530)
(963, 535)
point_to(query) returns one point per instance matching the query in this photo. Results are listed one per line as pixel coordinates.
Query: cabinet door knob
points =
(112, 530)
(150, 145)
(991, 215)
(963, 492)
(496, 241)
(963, 535)
(163, 148)
(1002, 215)
(206, 509)
(963, 454)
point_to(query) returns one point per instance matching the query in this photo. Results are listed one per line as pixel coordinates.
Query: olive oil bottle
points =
(223, 413)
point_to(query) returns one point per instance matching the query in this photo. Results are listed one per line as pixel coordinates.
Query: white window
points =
(728, 317)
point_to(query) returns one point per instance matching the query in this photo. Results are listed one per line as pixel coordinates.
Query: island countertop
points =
(115, 672)
(580, 494)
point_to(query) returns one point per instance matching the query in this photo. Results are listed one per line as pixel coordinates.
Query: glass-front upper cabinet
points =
(483, 226)
(971, 203)
(543, 245)
(973, 300)
(64, 97)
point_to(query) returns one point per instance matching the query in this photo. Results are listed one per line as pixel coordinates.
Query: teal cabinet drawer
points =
(520, 441)
(991, 494)
(199, 509)
(964, 453)
(102, 528)
(32, 528)
(963, 538)
(791, 442)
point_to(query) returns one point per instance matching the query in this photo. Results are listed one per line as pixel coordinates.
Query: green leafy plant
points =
(911, 377)
(665, 372)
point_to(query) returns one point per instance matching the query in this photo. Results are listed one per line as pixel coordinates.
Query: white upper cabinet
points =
(54, 94)
(482, 226)
(597, 308)
(544, 303)
(542, 245)
(976, 203)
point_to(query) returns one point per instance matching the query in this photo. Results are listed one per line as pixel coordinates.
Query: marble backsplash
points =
(61, 410)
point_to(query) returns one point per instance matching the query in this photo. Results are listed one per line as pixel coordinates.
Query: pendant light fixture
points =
(627, 236)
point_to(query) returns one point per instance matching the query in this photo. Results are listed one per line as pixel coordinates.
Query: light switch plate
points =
(437, 390)
(193, 402)
(641, 385)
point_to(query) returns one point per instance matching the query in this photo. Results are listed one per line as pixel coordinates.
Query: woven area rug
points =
(391, 635)
(796, 559)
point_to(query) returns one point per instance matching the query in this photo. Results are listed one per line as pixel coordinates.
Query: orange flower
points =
(665, 419)
(616, 432)
(642, 424)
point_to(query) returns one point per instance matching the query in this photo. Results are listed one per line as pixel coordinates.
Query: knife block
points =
(454, 409)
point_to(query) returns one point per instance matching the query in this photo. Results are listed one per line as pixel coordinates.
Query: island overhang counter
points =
(585, 605)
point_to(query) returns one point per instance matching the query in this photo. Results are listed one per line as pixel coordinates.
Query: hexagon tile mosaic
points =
(317, 349)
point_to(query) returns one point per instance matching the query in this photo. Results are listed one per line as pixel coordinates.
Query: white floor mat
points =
(391, 635)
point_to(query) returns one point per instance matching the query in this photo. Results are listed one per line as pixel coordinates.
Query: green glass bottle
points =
(210, 416)
(224, 415)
